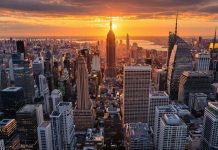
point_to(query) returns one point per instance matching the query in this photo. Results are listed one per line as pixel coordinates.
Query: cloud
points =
(114, 7)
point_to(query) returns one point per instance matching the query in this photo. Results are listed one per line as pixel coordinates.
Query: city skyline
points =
(91, 18)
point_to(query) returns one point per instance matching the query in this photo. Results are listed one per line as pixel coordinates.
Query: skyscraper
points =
(45, 136)
(57, 130)
(138, 137)
(193, 82)
(171, 41)
(180, 61)
(127, 42)
(159, 112)
(210, 127)
(202, 62)
(55, 99)
(110, 54)
(173, 133)
(27, 127)
(8, 132)
(12, 100)
(83, 112)
(137, 82)
(22, 76)
(65, 108)
(156, 98)
(83, 99)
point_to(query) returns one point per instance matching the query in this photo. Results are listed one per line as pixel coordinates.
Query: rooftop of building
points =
(158, 94)
(65, 104)
(195, 73)
(137, 68)
(172, 119)
(166, 108)
(55, 92)
(180, 106)
(38, 60)
(215, 85)
(199, 94)
(55, 114)
(95, 135)
(213, 106)
(44, 124)
(6, 121)
(138, 130)
(11, 89)
(202, 55)
(28, 108)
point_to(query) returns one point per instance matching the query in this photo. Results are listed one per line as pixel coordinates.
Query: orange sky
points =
(90, 18)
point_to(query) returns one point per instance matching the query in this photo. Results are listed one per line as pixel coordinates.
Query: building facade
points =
(110, 54)
(156, 98)
(202, 62)
(180, 61)
(45, 136)
(193, 82)
(173, 133)
(210, 127)
(159, 113)
(137, 82)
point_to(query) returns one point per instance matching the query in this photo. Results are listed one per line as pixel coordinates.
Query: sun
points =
(114, 26)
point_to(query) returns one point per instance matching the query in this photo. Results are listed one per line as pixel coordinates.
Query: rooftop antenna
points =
(110, 22)
(176, 24)
(214, 41)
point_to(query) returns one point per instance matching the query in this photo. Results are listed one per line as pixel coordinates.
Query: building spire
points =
(176, 24)
(214, 40)
(110, 23)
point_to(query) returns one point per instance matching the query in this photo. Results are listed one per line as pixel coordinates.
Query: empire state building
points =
(110, 54)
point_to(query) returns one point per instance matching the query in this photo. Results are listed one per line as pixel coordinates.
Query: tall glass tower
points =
(180, 61)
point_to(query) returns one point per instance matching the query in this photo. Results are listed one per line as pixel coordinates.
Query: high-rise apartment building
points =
(210, 127)
(156, 98)
(45, 136)
(137, 82)
(55, 99)
(159, 113)
(8, 132)
(68, 127)
(27, 127)
(57, 130)
(173, 133)
(12, 100)
(202, 62)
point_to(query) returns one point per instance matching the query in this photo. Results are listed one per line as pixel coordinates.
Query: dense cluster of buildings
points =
(63, 95)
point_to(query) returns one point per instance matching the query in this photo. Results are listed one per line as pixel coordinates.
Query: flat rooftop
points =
(213, 105)
(158, 94)
(172, 119)
(44, 124)
(166, 108)
(28, 108)
(137, 68)
(11, 89)
(65, 104)
(5, 122)
(55, 114)
(195, 74)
